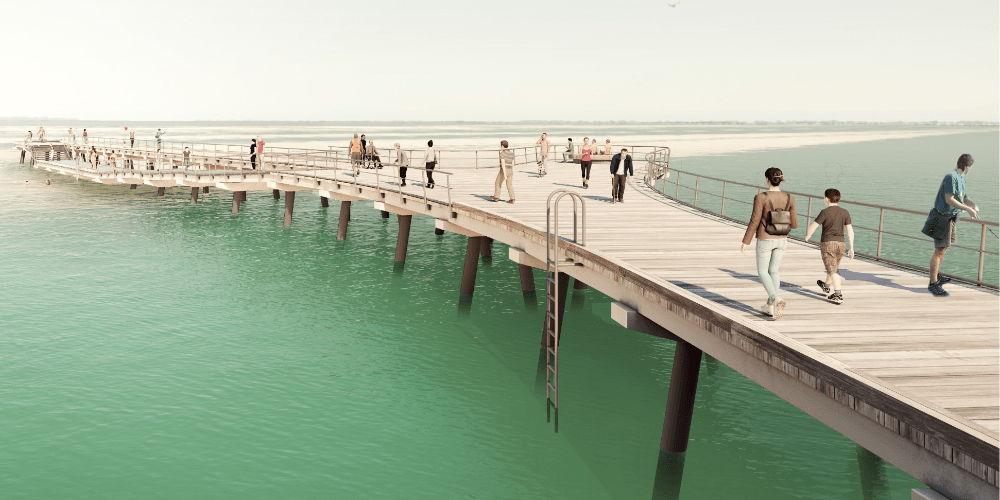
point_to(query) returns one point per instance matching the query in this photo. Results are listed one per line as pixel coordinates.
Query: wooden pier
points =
(911, 377)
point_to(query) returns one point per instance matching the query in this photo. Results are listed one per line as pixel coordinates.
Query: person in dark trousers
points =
(430, 161)
(949, 203)
(621, 168)
(253, 154)
(364, 151)
(403, 161)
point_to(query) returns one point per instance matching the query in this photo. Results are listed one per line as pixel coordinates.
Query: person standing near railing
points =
(364, 151)
(836, 223)
(93, 158)
(607, 147)
(948, 205)
(568, 154)
(771, 228)
(544, 150)
(159, 139)
(356, 148)
(253, 154)
(403, 162)
(187, 157)
(506, 173)
(131, 138)
(585, 162)
(85, 140)
(41, 134)
(621, 168)
(430, 161)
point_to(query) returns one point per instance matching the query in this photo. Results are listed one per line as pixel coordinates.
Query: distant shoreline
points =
(970, 123)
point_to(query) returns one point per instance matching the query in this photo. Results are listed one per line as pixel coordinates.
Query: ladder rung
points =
(550, 315)
(550, 332)
(551, 350)
(551, 387)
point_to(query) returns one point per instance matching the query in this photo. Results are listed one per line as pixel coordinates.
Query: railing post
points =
(697, 181)
(982, 252)
(677, 194)
(724, 185)
(881, 222)
(809, 213)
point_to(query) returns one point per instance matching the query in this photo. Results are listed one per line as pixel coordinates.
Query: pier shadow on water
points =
(669, 472)
(874, 483)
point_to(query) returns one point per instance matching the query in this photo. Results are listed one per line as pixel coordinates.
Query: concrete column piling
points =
(345, 217)
(194, 195)
(471, 265)
(527, 278)
(324, 201)
(404, 237)
(486, 248)
(276, 193)
(160, 191)
(289, 207)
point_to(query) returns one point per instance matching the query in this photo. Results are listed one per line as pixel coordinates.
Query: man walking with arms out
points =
(948, 204)
(544, 143)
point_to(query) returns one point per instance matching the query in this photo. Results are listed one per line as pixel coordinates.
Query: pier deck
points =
(912, 377)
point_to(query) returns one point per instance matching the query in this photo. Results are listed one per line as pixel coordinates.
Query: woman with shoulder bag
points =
(772, 219)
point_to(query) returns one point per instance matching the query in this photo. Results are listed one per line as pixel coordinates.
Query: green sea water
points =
(151, 348)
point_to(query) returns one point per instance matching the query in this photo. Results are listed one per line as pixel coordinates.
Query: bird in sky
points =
(673, 5)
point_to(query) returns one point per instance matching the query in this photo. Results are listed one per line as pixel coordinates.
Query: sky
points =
(625, 60)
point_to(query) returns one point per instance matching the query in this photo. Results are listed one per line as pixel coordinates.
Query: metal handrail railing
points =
(657, 168)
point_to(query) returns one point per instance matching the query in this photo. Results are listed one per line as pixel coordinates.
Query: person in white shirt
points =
(402, 161)
(430, 161)
(544, 150)
(131, 138)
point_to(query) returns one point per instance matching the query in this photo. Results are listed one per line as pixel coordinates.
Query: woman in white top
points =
(430, 161)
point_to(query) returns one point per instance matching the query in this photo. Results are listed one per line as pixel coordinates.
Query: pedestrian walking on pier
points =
(544, 150)
(85, 140)
(253, 154)
(771, 224)
(836, 223)
(41, 134)
(621, 168)
(568, 154)
(93, 158)
(585, 162)
(949, 203)
(364, 151)
(355, 149)
(131, 138)
(187, 157)
(430, 161)
(403, 162)
(506, 173)
(159, 139)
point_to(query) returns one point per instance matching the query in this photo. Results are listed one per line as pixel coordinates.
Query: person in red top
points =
(771, 244)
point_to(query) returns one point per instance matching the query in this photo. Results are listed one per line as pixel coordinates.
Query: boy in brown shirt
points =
(835, 221)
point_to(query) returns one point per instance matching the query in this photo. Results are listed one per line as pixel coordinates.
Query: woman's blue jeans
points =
(769, 254)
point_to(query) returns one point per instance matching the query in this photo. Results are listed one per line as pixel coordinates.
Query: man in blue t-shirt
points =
(948, 204)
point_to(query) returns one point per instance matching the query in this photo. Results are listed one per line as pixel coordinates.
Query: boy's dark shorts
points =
(831, 252)
(948, 238)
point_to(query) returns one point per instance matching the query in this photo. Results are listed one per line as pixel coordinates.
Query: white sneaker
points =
(767, 309)
(779, 308)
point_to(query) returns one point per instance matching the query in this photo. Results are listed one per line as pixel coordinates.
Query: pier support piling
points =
(324, 201)
(238, 197)
(345, 217)
(385, 215)
(471, 265)
(194, 195)
(276, 193)
(486, 248)
(204, 189)
(562, 281)
(133, 186)
(677, 421)
(438, 231)
(160, 191)
(404, 237)
(289, 207)
(527, 278)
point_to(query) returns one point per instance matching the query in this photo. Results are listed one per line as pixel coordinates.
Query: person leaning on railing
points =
(771, 228)
(948, 205)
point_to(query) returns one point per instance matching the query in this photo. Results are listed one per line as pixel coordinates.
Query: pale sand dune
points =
(715, 144)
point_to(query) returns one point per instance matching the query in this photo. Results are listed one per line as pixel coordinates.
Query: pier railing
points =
(870, 220)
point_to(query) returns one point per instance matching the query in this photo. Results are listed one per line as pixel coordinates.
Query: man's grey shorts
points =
(949, 236)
